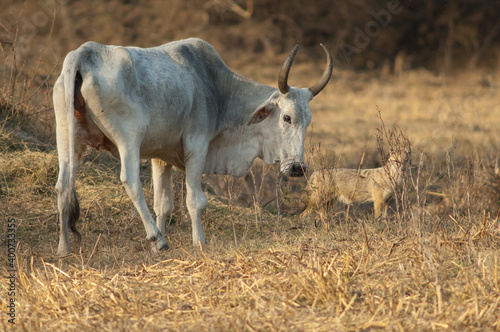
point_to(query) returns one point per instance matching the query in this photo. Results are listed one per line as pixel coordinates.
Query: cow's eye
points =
(287, 118)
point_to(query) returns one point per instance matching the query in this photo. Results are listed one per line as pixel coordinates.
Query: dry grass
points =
(303, 279)
(432, 265)
(297, 284)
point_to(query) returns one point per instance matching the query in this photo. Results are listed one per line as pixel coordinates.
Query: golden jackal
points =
(376, 185)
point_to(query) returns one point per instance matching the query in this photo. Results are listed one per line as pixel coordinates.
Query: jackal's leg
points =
(378, 204)
(306, 212)
(385, 205)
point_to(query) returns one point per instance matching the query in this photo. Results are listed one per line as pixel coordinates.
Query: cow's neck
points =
(235, 145)
(241, 97)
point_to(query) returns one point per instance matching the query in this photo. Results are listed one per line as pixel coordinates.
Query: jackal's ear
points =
(262, 113)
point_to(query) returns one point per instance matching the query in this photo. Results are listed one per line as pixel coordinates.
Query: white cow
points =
(179, 105)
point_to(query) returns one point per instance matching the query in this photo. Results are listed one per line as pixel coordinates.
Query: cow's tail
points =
(71, 71)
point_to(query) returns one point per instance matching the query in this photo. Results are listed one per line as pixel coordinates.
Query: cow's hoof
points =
(159, 246)
(200, 244)
(164, 247)
(63, 251)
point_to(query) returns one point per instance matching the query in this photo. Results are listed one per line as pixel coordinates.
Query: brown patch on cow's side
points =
(106, 143)
(79, 102)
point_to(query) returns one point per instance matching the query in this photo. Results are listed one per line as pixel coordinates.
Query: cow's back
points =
(168, 90)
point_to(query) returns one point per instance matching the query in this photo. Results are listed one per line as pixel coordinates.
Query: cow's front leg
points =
(163, 199)
(129, 175)
(196, 200)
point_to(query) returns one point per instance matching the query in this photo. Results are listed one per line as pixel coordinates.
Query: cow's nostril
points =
(298, 170)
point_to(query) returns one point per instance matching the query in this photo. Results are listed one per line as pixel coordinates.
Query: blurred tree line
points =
(363, 34)
(435, 34)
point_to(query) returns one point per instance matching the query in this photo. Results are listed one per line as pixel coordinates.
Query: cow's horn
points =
(285, 69)
(316, 88)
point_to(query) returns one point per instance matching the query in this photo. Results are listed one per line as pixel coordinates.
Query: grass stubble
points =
(431, 265)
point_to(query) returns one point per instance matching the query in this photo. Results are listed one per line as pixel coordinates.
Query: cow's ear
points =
(262, 112)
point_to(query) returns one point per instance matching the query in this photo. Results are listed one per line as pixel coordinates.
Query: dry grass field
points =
(431, 265)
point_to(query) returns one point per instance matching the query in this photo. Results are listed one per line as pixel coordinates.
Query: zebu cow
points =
(179, 105)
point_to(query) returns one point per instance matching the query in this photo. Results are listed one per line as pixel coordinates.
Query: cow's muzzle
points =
(293, 169)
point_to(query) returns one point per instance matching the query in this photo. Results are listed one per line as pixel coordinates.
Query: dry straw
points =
(433, 264)
(377, 275)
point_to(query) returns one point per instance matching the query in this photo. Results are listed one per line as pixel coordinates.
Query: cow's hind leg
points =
(163, 199)
(67, 202)
(129, 175)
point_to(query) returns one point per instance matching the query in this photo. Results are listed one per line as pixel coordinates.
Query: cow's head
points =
(289, 115)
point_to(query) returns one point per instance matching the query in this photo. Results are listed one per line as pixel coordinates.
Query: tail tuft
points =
(74, 214)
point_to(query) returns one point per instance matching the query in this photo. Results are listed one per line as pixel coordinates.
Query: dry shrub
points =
(393, 142)
(317, 197)
(321, 194)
